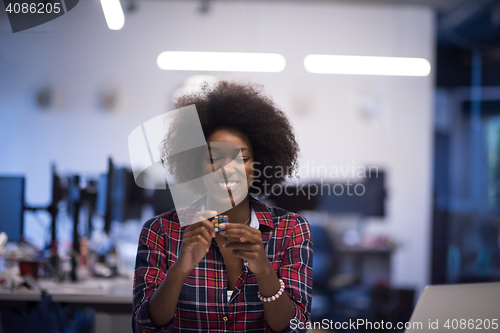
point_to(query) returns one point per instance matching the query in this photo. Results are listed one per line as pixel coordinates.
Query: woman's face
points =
(228, 167)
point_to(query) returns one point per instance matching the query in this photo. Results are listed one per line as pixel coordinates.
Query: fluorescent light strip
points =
(221, 61)
(113, 13)
(364, 65)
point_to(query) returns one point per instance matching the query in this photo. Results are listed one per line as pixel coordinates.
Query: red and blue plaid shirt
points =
(203, 305)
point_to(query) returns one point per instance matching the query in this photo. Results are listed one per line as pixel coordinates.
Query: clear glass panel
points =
(216, 176)
(170, 152)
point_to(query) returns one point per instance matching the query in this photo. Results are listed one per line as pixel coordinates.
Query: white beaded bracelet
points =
(274, 297)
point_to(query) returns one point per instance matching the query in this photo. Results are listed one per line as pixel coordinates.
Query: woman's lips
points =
(228, 185)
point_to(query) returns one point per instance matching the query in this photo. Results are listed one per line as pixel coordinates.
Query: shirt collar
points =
(254, 222)
(262, 213)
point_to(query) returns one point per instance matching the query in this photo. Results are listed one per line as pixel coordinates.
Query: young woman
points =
(255, 274)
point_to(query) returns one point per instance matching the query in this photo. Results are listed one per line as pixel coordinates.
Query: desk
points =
(19, 299)
(111, 298)
(20, 296)
(105, 295)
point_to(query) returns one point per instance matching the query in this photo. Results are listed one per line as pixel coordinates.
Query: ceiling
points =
(468, 23)
(441, 6)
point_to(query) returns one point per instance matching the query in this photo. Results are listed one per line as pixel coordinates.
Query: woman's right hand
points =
(196, 242)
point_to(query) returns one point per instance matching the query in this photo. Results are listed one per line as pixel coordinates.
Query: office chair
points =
(324, 262)
(327, 279)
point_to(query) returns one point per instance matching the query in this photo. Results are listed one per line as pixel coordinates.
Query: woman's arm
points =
(295, 270)
(155, 306)
(163, 303)
(150, 266)
(195, 245)
(280, 311)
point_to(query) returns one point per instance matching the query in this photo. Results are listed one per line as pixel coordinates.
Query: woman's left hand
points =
(246, 243)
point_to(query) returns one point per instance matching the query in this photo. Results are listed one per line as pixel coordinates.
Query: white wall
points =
(79, 55)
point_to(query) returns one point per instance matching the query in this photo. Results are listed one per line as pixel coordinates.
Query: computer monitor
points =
(127, 197)
(367, 200)
(12, 207)
(118, 197)
(336, 198)
(294, 199)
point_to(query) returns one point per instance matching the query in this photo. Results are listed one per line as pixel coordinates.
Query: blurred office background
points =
(72, 90)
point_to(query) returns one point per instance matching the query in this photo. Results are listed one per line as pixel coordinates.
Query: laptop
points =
(457, 308)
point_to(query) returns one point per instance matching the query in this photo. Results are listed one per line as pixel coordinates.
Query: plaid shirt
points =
(203, 305)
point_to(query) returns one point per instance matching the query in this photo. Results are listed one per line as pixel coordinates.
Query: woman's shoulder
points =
(290, 225)
(281, 218)
(282, 215)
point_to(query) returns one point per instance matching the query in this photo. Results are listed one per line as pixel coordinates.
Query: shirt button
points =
(225, 318)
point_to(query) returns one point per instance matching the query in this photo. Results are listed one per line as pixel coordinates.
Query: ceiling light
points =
(221, 61)
(364, 65)
(113, 13)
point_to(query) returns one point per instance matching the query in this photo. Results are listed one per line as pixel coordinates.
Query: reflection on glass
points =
(170, 151)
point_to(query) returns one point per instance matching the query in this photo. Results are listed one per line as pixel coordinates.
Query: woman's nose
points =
(229, 167)
(233, 167)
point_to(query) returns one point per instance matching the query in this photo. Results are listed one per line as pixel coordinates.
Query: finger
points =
(200, 231)
(240, 240)
(227, 226)
(197, 240)
(247, 255)
(235, 239)
(204, 215)
(240, 233)
(202, 234)
(241, 246)
(203, 224)
(238, 226)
